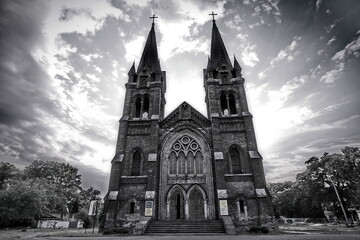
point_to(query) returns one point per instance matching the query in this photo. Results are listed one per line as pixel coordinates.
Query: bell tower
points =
(239, 174)
(134, 166)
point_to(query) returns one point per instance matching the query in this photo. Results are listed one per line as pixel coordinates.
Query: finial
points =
(213, 15)
(153, 18)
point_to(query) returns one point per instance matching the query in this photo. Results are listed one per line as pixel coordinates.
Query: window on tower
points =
(136, 164)
(146, 106)
(232, 103)
(223, 104)
(137, 107)
(142, 107)
(235, 160)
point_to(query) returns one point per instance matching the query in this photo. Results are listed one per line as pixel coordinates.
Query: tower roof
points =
(150, 55)
(236, 64)
(218, 50)
(132, 69)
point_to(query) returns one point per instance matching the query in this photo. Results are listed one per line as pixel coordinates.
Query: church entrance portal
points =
(177, 207)
(187, 205)
(196, 202)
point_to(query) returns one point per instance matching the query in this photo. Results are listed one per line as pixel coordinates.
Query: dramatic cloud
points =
(64, 65)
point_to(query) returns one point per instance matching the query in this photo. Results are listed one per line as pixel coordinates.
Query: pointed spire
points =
(236, 64)
(150, 55)
(132, 69)
(218, 50)
(209, 63)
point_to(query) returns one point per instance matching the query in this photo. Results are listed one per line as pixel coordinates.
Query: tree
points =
(64, 176)
(26, 200)
(7, 171)
(41, 189)
(282, 197)
(313, 189)
(339, 169)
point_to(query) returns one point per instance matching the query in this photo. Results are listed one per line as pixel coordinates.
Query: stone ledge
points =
(229, 225)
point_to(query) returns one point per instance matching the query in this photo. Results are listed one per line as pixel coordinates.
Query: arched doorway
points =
(196, 205)
(176, 203)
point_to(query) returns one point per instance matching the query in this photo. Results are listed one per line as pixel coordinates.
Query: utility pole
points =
(342, 206)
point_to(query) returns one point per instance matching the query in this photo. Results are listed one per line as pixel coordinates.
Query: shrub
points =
(119, 230)
(258, 229)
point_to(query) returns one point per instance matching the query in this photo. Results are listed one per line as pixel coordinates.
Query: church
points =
(187, 171)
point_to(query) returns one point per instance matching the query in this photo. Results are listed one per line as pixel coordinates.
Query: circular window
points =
(194, 146)
(177, 146)
(185, 140)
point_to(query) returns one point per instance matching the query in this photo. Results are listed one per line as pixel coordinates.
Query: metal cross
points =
(153, 18)
(213, 15)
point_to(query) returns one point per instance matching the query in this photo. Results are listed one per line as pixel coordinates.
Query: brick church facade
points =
(186, 166)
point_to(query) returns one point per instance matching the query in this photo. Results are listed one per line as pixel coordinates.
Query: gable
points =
(185, 112)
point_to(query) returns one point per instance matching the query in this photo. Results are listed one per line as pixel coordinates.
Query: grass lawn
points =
(30, 233)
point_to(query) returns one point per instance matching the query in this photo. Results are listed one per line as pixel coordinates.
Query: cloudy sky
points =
(64, 65)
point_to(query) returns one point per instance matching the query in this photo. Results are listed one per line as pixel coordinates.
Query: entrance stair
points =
(185, 227)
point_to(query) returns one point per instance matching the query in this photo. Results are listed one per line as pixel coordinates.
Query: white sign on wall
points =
(149, 208)
(224, 207)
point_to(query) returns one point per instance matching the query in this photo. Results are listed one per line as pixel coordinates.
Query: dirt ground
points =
(317, 231)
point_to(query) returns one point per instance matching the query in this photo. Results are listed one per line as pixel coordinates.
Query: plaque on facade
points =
(222, 193)
(113, 195)
(224, 207)
(218, 155)
(148, 208)
(152, 157)
(260, 192)
(254, 154)
(150, 194)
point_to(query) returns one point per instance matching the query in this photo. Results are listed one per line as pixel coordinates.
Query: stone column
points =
(186, 209)
(206, 208)
(168, 210)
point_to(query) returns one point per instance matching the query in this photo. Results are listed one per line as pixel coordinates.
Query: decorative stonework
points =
(222, 193)
(218, 155)
(260, 192)
(152, 157)
(150, 195)
(254, 154)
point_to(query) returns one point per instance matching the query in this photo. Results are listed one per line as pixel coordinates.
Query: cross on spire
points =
(153, 18)
(213, 15)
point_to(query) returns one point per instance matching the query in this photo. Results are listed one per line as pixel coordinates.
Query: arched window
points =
(136, 163)
(223, 103)
(172, 163)
(146, 105)
(132, 208)
(224, 78)
(138, 107)
(232, 103)
(235, 158)
(199, 163)
(190, 163)
(186, 157)
(181, 163)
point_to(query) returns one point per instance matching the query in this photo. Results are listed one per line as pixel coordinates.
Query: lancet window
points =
(186, 157)
(136, 164)
(227, 104)
(236, 158)
(142, 107)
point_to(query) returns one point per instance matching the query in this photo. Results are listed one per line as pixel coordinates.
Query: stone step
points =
(163, 227)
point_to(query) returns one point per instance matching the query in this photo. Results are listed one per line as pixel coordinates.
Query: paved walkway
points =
(216, 237)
